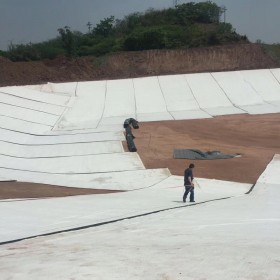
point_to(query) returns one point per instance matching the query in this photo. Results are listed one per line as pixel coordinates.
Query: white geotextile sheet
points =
(237, 89)
(66, 88)
(276, 73)
(220, 111)
(151, 117)
(148, 95)
(121, 180)
(19, 102)
(120, 99)
(77, 138)
(225, 239)
(24, 138)
(177, 93)
(264, 108)
(146, 99)
(101, 128)
(27, 93)
(43, 87)
(190, 114)
(213, 233)
(264, 83)
(29, 115)
(36, 87)
(88, 108)
(33, 217)
(110, 121)
(179, 98)
(23, 126)
(76, 164)
(271, 174)
(206, 91)
(7, 135)
(66, 150)
(209, 95)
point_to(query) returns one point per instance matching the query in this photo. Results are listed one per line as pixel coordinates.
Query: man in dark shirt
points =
(188, 183)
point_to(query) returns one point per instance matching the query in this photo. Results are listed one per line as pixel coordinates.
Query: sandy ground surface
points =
(255, 137)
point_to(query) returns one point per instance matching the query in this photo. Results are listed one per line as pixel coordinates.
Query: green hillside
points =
(188, 25)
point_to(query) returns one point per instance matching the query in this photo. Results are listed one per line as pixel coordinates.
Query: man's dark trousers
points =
(189, 189)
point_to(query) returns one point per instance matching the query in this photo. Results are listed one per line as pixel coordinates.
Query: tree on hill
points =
(105, 28)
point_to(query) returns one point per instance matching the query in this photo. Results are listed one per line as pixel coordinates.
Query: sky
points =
(25, 21)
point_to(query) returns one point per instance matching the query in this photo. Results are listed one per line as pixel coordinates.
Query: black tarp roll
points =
(132, 122)
(128, 133)
(130, 143)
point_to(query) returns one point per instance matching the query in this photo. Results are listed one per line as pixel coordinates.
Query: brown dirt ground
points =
(255, 137)
(12, 190)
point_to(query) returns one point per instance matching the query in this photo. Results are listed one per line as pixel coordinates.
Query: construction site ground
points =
(255, 137)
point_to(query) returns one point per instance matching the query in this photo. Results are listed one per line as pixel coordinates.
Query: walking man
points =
(188, 183)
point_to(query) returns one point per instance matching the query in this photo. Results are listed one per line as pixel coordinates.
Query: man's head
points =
(191, 165)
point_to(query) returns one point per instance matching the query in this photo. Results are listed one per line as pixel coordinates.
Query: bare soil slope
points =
(136, 64)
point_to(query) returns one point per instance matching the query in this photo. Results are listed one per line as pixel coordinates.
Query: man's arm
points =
(190, 180)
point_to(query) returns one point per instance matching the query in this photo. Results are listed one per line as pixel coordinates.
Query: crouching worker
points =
(188, 183)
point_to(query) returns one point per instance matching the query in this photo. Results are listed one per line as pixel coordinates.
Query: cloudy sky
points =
(24, 21)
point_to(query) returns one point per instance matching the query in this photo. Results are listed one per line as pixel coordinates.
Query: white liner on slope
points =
(77, 164)
(123, 180)
(91, 137)
(237, 89)
(66, 88)
(276, 74)
(36, 87)
(264, 84)
(241, 93)
(22, 138)
(101, 128)
(35, 95)
(271, 174)
(27, 115)
(177, 93)
(88, 108)
(213, 238)
(264, 108)
(179, 98)
(210, 96)
(189, 115)
(150, 103)
(120, 100)
(72, 149)
(43, 216)
(23, 126)
(19, 102)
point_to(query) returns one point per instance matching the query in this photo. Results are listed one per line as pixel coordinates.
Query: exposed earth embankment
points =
(136, 64)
